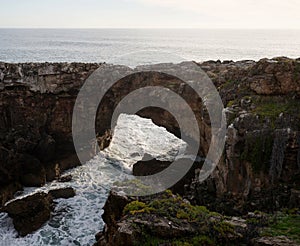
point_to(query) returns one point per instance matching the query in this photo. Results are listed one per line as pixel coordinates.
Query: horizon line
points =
(204, 28)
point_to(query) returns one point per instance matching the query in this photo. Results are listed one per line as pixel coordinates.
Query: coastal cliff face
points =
(262, 147)
(36, 103)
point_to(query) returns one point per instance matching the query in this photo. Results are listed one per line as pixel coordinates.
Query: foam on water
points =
(75, 221)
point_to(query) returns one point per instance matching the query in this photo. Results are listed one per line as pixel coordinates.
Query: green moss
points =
(169, 193)
(230, 103)
(284, 225)
(134, 206)
(223, 228)
(271, 107)
(169, 206)
(212, 227)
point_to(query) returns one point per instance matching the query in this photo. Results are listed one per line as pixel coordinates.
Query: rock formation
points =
(29, 213)
(166, 219)
(259, 168)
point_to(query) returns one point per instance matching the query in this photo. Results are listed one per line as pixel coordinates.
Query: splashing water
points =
(75, 221)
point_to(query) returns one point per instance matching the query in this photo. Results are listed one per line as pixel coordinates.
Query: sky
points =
(245, 14)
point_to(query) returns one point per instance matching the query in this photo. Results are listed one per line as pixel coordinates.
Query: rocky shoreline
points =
(260, 166)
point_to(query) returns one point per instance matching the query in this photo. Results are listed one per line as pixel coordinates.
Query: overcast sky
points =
(282, 14)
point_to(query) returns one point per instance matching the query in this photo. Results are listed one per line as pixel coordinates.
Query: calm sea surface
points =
(156, 45)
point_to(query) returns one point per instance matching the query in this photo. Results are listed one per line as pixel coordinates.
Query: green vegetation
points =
(231, 103)
(271, 107)
(171, 207)
(212, 229)
(136, 207)
(284, 225)
(224, 228)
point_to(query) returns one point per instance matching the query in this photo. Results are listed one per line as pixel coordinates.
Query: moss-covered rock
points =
(168, 219)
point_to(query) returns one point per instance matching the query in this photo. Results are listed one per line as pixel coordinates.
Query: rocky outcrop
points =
(166, 219)
(36, 103)
(276, 77)
(29, 213)
(62, 193)
(260, 163)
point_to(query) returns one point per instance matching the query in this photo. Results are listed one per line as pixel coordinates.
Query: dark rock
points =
(274, 241)
(46, 149)
(62, 193)
(294, 199)
(149, 166)
(7, 192)
(29, 213)
(36, 105)
(169, 219)
(66, 178)
(33, 173)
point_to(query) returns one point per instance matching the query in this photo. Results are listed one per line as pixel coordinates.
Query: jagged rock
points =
(62, 193)
(274, 241)
(29, 213)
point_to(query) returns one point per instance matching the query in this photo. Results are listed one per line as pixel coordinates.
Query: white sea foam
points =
(75, 221)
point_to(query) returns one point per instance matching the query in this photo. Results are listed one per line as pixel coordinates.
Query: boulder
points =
(29, 213)
(62, 193)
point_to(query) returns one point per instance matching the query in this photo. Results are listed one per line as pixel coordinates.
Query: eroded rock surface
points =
(261, 161)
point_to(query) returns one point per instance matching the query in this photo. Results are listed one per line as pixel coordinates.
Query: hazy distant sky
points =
(151, 13)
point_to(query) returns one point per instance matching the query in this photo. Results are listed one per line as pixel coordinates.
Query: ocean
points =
(75, 221)
(140, 46)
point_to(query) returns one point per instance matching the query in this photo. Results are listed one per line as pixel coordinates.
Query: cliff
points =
(36, 103)
(261, 161)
